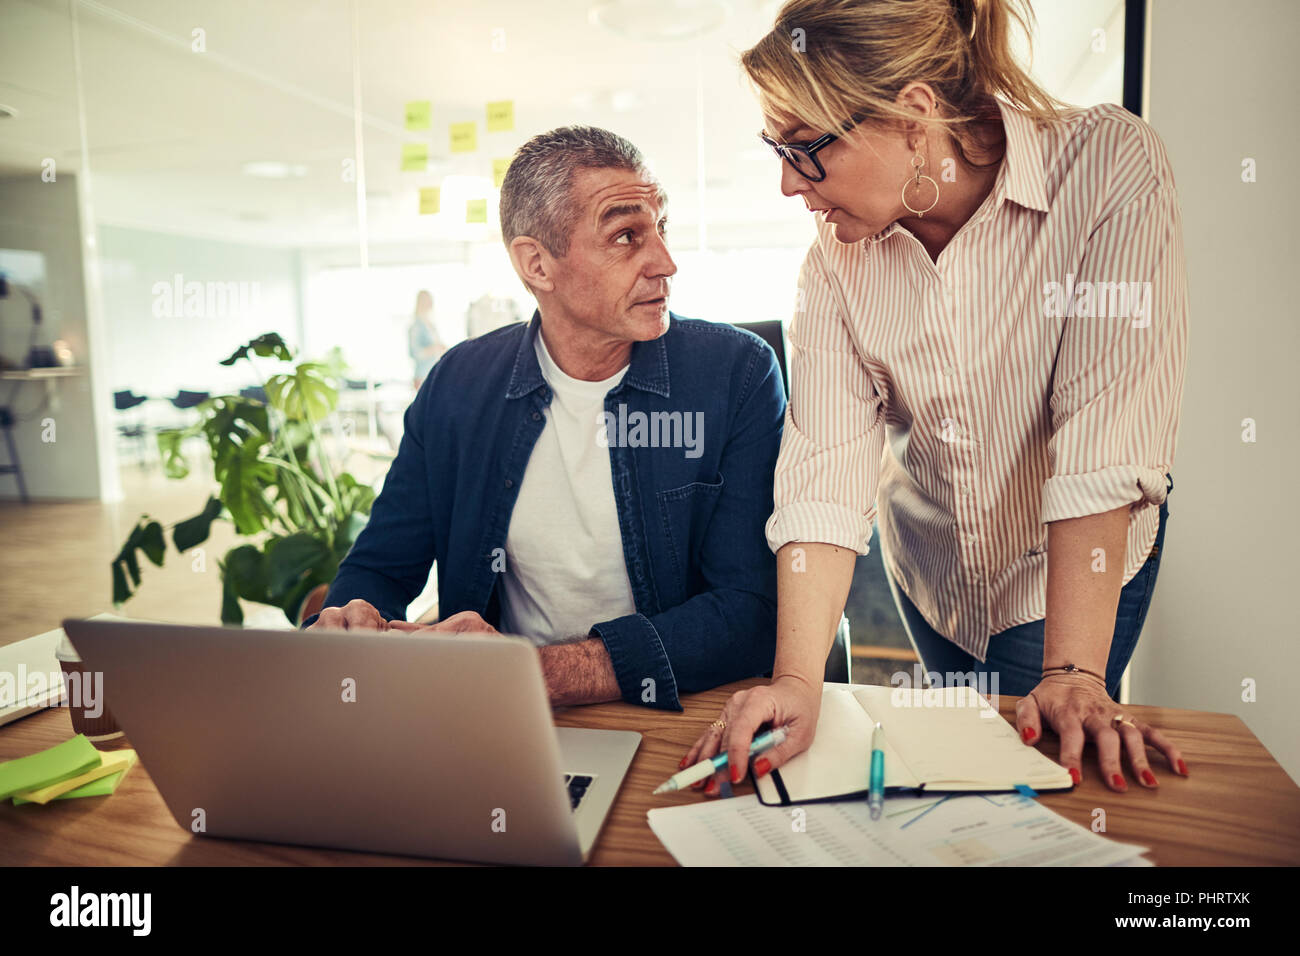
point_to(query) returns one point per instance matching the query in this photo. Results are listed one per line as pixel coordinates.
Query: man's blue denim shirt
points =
(703, 578)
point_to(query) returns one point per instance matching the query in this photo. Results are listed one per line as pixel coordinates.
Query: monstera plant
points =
(275, 484)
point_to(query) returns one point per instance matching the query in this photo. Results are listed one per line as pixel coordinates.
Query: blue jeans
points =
(1016, 654)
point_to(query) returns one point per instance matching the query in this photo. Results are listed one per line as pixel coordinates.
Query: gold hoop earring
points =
(917, 162)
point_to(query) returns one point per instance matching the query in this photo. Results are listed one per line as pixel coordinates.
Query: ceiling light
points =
(659, 19)
(274, 170)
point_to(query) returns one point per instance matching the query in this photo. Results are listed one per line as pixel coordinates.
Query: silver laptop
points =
(417, 744)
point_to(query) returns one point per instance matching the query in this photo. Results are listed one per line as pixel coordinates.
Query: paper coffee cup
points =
(76, 678)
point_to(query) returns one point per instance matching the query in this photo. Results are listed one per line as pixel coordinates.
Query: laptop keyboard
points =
(577, 785)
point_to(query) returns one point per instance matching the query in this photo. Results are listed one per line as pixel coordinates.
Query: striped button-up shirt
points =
(1033, 373)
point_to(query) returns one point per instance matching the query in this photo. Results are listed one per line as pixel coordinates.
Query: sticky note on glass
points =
(415, 157)
(464, 137)
(58, 763)
(429, 200)
(419, 114)
(114, 762)
(476, 210)
(499, 167)
(501, 116)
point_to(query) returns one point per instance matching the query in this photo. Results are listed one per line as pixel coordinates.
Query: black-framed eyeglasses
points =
(803, 156)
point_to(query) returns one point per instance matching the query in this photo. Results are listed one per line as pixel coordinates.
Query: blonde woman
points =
(988, 353)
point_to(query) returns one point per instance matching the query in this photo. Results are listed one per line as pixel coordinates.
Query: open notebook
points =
(935, 740)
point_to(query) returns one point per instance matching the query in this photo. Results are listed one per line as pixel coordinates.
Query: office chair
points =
(14, 467)
(187, 399)
(132, 431)
(839, 664)
(773, 333)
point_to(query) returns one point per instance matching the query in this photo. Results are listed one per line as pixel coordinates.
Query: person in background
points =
(425, 344)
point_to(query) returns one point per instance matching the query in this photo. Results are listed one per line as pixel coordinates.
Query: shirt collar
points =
(1021, 177)
(647, 368)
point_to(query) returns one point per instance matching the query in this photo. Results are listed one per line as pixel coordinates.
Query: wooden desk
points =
(1238, 807)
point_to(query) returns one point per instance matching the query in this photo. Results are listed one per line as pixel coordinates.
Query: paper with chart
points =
(955, 830)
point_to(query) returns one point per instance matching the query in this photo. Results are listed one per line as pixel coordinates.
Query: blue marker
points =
(876, 793)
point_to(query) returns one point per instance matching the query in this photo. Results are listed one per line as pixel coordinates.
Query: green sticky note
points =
(464, 137)
(415, 157)
(68, 759)
(501, 116)
(499, 167)
(113, 761)
(96, 788)
(419, 114)
(429, 200)
(476, 210)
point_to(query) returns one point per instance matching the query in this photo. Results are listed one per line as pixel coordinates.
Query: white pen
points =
(706, 768)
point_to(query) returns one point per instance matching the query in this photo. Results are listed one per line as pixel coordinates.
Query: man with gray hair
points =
(598, 478)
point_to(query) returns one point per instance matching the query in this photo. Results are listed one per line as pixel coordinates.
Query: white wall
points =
(43, 217)
(1222, 81)
(153, 352)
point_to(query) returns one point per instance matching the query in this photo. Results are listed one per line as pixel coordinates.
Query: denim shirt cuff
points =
(638, 655)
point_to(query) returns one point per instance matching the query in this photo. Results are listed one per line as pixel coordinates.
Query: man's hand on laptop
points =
(465, 622)
(356, 615)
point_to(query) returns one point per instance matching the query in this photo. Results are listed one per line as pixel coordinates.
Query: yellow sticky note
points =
(113, 762)
(418, 114)
(429, 200)
(415, 157)
(476, 210)
(499, 167)
(464, 137)
(501, 116)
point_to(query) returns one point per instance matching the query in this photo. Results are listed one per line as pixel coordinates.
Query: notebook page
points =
(952, 737)
(839, 760)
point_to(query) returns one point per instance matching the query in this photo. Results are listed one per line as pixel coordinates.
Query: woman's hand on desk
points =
(788, 702)
(1079, 709)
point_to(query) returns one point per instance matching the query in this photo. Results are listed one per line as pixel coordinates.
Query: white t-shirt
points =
(565, 569)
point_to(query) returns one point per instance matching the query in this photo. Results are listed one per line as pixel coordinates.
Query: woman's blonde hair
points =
(826, 61)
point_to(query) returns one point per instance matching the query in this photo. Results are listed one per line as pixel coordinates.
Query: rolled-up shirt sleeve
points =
(828, 470)
(1118, 382)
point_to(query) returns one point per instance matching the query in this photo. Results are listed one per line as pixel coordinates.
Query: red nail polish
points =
(712, 788)
(1118, 781)
(1148, 778)
(1075, 775)
(1028, 734)
(761, 766)
(682, 765)
(1182, 767)
(737, 773)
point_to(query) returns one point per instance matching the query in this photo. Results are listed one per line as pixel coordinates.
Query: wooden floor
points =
(54, 562)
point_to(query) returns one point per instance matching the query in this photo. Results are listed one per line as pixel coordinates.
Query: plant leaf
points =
(194, 531)
(231, 612)
(266, 345)
(169, 448)
(244, 573)
(121, 590)
(308, 394)
(291, 557)
(242, 490)
(149, 538)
